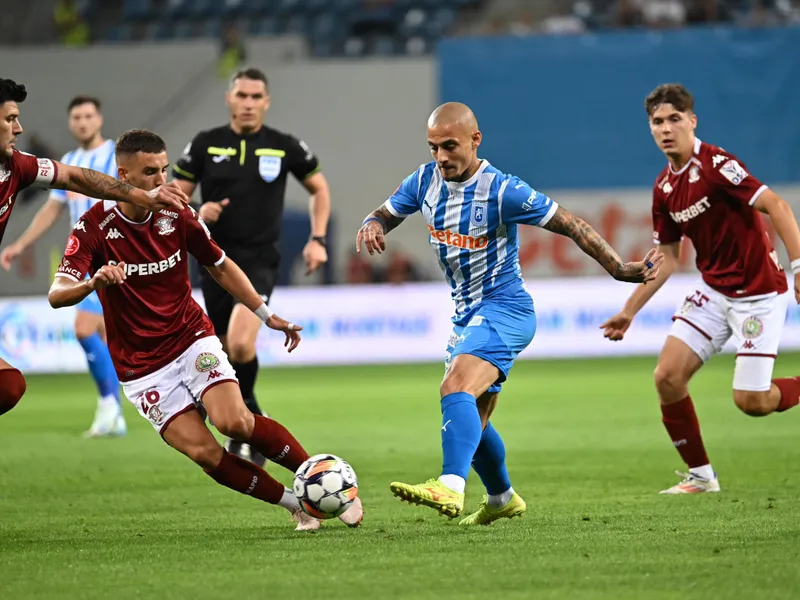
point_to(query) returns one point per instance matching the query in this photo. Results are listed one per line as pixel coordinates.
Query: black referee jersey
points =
(251, 171)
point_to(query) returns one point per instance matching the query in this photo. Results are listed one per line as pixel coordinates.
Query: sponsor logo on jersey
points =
(206, 362)
(696, 209)
(107, 220)
(733, 172)
(67, 270)
(752, 328)
(153, 268)
(718, 159)
(80, 226)
(164, 225)
(458, 240)
(214, 375)
(114, 234)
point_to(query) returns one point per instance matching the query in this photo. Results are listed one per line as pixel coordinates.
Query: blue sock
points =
(461, 433)
(489, 462)
(100, 366)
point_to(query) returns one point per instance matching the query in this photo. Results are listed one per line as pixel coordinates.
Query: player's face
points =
(143, 170)
(248, 101)
(9, 127)
(454, 149)
(673, 130)
(85, 122)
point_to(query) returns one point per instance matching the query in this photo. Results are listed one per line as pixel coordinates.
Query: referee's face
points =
(248, 101)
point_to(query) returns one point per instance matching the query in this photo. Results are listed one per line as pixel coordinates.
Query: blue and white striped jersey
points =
(101, 159)
(473, 228)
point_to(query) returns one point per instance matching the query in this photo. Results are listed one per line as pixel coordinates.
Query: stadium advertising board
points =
(388, 324)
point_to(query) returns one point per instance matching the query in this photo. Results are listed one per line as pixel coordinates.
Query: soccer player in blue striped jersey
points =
(472, 211)
(96, 153)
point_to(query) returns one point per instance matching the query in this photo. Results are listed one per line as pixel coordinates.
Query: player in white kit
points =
(94, 152)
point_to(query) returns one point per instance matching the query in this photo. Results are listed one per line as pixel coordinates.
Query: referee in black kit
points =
(242, 168)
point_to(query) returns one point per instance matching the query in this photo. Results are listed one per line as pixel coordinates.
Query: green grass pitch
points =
(130, 518)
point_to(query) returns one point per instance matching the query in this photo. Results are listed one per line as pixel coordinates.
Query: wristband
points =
(368, 219)
(795, 266)
(263, 312)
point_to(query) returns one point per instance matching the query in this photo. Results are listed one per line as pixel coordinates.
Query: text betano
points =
(459, 240)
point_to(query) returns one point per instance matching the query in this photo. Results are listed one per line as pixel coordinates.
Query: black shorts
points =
(219, 303)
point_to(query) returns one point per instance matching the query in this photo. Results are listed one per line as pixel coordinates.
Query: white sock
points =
(289, 500)
(500, 500)
(706, 472)
(454, 482)
(106, 402)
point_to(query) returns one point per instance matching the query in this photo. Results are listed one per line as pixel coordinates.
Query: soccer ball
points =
(325, 486)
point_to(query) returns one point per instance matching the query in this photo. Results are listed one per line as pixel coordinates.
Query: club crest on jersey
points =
(478, 218)
(752, 328)
(206, 362)
(667, 188)
(164, 225)
(694, 174)
(269, 167)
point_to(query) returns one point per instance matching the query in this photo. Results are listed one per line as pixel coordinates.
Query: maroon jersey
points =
(18, 172)
(710, 201)
(151, 319)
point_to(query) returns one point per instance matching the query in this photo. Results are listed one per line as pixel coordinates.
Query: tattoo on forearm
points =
(98, 185)
(565, 223)
(387, 219)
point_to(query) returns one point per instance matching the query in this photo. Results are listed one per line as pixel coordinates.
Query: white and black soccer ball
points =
(325, 486)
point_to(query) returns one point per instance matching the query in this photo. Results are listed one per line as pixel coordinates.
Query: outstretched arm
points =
(99, 185)
(375, 226)
(785, 223)
(565, 223)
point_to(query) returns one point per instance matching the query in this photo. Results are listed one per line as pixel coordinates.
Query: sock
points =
(247, 478)
(461, 435)
(275, 443)
(100, 366)
(705, 471)
(289, 500)
(790, 392)
(489, 462)
(12, 388)
(681, 423)
(246, 373)
(500, 500)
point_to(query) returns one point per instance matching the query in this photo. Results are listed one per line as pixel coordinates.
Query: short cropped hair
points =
(11, 91)
(140, 140)
(250, 73)
(78, 100)
(669, 93)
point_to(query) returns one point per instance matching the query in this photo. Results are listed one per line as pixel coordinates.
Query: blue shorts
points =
(497, 332)
(91, 304)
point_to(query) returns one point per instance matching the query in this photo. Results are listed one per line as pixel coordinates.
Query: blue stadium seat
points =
(211, 28)
(290, 6)
(439, 22)
(119, 33)
(383, 46)
(297, 24)
(354, 47)
(199, 9)
(259, 7)
(263, 26)
(159, 31)
(184, 30)
(324, 26)
(232, 8)
(176, 8)
(137, 10)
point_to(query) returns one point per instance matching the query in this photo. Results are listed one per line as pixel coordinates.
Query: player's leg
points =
(108, 419)
(757, 328)
(699, 331)
(12, 387)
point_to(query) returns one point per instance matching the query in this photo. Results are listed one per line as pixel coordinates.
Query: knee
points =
(12, 388)
(84, 329)
(453, 383)
(670, 383)
(237, 426)
(240, 351)
(206, 455)
(754, 404)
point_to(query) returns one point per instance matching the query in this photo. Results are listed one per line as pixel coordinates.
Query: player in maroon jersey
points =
(19, 171)
(706, 194)
(162, 343)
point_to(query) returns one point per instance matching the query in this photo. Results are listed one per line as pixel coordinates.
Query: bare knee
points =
(206, 454)
(238, 425)
(671, 384)
(454, 382)
(84, 327)
(240, 351)
(755, 404)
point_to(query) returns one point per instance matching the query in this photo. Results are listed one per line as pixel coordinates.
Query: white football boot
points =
(693, 484)
(305, 522)
(108, 420)
(353, 516)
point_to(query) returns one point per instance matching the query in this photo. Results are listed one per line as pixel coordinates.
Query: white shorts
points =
(179, 387)
(707, 320)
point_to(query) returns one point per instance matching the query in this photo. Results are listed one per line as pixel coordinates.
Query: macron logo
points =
(114, 234)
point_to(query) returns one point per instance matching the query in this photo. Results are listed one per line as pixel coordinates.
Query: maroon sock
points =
(246, 478)
(275, 443)
(790, 392)
(681, 423)
(12, 388)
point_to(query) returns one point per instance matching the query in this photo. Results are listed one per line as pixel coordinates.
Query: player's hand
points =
(614, 329)
(372, 235)
(315, 255)
(291, 330)
(9, 255)
(108, 275)
(643, 271)
(169, 195)
(210, 211)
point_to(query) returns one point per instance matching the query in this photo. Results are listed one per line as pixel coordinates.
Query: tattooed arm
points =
(565, 223)
(376, 225)
(99, 185)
